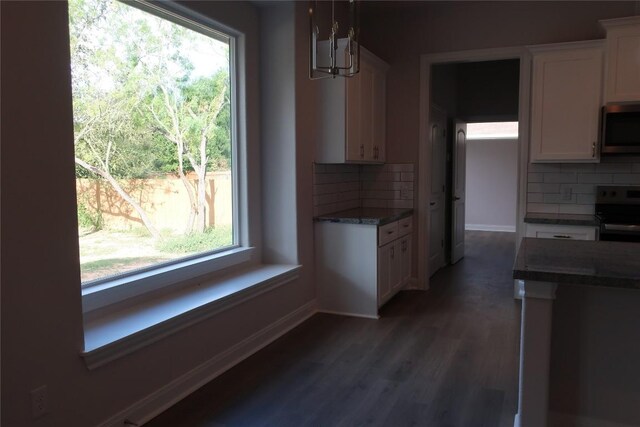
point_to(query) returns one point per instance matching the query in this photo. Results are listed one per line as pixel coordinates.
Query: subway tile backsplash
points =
(341, 187)
(570, 187)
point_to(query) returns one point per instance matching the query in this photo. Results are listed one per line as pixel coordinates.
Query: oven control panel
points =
(620, 194)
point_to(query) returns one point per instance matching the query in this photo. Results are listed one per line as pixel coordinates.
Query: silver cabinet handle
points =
(561, 236)
(593, 150)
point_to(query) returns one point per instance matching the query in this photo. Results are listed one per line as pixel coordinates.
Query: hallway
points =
(446, 357)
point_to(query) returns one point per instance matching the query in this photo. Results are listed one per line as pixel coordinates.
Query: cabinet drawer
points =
(405, 226)
(387, 233)
(567, 232)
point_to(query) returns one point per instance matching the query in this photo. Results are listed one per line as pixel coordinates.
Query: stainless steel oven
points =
(620, 129)
(618, 209)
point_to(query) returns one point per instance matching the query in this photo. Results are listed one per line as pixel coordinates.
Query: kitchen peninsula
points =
(363, 258)
(584, 366)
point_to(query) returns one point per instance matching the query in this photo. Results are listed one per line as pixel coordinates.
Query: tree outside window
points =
(152, 105)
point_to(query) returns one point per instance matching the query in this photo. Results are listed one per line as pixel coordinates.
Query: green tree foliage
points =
(141, 107)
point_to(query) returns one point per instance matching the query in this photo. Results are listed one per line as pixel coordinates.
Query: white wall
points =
(492, 184)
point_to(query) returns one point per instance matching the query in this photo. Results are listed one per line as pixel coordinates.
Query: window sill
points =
(115, 334)
(115, 291)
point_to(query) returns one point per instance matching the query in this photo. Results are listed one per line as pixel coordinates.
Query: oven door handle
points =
(621, 227)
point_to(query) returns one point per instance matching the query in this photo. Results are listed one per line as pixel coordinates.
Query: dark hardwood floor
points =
(446, 357)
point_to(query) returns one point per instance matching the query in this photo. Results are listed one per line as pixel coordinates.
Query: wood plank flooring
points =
(446, 357)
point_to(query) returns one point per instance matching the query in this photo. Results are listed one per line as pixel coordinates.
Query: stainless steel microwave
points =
(621, 129)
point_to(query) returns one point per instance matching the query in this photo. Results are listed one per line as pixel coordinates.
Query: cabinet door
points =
(367, 79)
(379, 118)
(623, 63)
(406, 258)
(566, 100)
(355, 150)
(366, 112)
(395, 274)
(384, 272)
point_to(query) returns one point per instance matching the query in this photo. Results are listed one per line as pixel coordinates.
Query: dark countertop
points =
(581, 262)
(561, 219)
(370, 216)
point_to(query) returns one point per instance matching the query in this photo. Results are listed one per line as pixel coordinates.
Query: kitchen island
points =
(584, 366)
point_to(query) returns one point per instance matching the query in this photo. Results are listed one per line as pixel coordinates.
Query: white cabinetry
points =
(566, 232)
(623, 59)
(360, 267)
(352, 115)
(566, 97)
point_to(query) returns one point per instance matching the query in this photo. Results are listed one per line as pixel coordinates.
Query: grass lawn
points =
(107, 252)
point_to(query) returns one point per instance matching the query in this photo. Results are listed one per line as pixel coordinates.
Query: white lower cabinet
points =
(360, 267)
(566, 232)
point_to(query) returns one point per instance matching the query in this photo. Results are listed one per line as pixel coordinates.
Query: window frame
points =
(109, 291)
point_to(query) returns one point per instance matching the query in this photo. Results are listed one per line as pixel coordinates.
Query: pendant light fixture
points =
(334, 56)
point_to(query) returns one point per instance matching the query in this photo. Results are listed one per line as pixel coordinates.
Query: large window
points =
(153, 101)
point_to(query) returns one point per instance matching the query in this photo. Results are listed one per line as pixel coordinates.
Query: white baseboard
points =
(160, 400)
(558, 419)
(343, 313)
(412, 285)
(484, 227)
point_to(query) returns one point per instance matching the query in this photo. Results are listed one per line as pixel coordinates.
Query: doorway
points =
(474, 176)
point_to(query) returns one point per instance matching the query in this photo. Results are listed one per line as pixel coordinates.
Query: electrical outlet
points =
(39, 402)
(566, 194)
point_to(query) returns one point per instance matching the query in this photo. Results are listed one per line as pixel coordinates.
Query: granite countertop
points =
(582, 262)
(561, 219)
(371, 216)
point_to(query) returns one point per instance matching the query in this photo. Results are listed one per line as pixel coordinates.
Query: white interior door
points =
(438, 141)
(457, 211)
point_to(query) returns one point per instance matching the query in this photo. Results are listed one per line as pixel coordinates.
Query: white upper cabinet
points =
(352, 115)
(623, 59)
(566, 97)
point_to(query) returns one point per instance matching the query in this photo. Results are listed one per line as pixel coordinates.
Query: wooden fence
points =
(165, 201)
